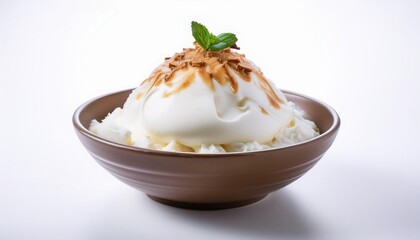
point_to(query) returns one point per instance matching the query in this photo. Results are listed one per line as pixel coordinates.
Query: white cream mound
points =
(206, 102)
(298, 130)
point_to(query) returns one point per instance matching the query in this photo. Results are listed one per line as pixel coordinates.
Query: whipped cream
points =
(206, 102)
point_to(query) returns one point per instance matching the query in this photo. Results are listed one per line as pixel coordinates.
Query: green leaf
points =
(225, 40)
(208, 40)
(227, 37)
(213, 39)
(201, 35)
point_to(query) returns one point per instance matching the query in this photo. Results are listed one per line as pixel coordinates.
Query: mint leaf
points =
(201, 35)
(213, 39)
(227, 37)
(225, 40)
(208, 40)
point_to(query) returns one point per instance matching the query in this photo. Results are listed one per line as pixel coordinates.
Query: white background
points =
(361, 57)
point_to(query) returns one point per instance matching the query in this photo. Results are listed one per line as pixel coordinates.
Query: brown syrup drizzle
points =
(211, 66)
(263, 111)
(187, 81)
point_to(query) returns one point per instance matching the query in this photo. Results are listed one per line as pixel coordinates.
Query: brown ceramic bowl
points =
(206, 181)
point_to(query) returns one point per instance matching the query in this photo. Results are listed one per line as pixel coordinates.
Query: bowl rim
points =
(80, 128)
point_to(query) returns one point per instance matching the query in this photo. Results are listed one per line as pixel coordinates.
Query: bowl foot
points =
(206, 206)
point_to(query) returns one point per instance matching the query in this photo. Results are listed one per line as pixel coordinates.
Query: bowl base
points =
(206, 206)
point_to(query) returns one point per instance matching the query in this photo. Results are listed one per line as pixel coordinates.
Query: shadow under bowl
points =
(206, 181)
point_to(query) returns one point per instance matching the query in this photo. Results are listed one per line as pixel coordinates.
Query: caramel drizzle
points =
(155, 79)
(212, 66)
(269, 92)
(207, 78)
(189, 79)
(263, 111)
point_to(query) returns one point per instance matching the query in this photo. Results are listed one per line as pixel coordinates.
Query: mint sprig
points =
(208, 40)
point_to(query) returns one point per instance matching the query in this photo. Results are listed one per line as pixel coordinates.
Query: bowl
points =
(206, 181)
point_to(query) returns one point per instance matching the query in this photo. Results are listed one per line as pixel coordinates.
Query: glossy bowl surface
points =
(206, 181)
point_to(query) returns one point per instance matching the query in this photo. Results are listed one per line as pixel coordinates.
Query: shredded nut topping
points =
(213, 66)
